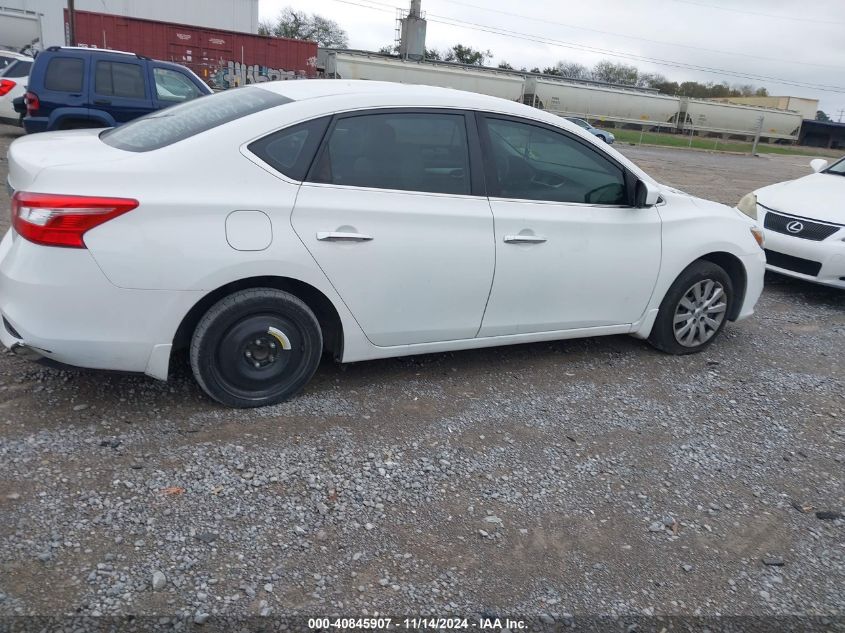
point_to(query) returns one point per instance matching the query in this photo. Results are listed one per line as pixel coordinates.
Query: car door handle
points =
(102, 102)
(335, 236)
(524, 239)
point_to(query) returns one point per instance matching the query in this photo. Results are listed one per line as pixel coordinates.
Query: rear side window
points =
(407, 151)
(290, 151)
(171, 85)
(174, 124)
(117, 79)
(64, 74)
(18, 69)
(6, 61)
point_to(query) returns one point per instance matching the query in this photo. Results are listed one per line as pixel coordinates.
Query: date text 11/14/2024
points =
(382, 624)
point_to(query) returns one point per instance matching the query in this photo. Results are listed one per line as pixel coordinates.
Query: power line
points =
(630, 56)
(642, 39)
(791, 18)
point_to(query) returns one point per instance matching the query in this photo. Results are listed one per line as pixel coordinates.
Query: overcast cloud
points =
(783, 39)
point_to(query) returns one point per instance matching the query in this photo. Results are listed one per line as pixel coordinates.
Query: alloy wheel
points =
(699, 313)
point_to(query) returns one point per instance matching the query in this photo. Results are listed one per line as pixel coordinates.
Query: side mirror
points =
(817, 164)
(647, 194)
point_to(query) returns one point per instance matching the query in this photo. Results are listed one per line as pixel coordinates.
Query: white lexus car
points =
(263, 226)
(804, 224)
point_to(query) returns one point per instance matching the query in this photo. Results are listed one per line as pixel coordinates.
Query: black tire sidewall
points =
(226, 313)
(662, 333)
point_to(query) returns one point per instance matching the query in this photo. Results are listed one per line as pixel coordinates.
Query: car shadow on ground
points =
(135, 397)
(805, 291)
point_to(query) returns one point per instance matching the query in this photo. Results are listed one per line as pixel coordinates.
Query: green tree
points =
(300, 25)
(551, 70)
(822, 116)
(433, 54)
(504, 65)
(467, 55)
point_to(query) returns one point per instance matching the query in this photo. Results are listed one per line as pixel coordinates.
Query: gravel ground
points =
(577, 477)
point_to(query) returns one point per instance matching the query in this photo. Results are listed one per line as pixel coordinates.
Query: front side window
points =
(171, 85)
(535, 163)
(117, 79)
(178, 122)
(64, 74)
(407, 151)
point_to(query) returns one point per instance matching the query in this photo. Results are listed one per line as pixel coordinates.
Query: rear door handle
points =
(102, 102)
(524, 239)
(336, 236)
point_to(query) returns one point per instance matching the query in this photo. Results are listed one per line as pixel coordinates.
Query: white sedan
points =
(804, 224)
(263, 226)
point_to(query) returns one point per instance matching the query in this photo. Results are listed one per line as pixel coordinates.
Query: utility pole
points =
(841, 112)
(71, 23)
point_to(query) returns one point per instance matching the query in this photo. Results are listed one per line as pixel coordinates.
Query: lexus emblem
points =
(795, 227)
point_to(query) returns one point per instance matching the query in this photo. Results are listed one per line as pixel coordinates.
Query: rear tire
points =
(256, 347)
(694, 310)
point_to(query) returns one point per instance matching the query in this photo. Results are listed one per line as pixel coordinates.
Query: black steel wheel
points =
(256, 347)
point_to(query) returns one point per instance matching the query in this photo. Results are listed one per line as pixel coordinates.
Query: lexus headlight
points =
(748, 205)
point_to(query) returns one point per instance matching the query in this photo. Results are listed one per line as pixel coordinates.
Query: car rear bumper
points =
(57, 303)
(819, 262)
(36, 124)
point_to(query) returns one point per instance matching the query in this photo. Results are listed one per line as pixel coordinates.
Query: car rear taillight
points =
(54, 220)
(6, 86)
(33, 103)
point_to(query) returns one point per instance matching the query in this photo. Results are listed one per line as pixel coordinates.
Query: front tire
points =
(694, 310)
(255, 348)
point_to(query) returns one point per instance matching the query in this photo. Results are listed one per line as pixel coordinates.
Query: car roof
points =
(339, 89)
(14, 55)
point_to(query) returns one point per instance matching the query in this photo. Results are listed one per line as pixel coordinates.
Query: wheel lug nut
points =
(257, 364)
(258, 342)
(272, 345)
(248, 354)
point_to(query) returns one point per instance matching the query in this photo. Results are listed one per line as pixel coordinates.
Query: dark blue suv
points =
(88, 88)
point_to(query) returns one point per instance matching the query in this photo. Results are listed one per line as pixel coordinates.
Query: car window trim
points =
(490, 167)
(476, 169)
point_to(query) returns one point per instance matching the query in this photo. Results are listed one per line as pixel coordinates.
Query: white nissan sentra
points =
(263, 226)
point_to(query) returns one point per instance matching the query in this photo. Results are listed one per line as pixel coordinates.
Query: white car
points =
(14, 77)
(803, 222)
(262, 226)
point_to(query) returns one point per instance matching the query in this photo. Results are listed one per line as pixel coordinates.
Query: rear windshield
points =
(174, 124)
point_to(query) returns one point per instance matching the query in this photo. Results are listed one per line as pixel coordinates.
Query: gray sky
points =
(782, 39)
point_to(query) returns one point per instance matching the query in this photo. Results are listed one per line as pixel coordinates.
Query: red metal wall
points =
(222, 58)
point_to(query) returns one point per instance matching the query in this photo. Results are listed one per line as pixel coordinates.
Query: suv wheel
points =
(694, 310)
(256, 347)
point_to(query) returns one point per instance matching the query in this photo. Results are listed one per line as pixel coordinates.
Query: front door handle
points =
(336, 236)
(524, 239)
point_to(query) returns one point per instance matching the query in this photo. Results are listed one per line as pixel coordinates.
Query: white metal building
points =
(22, 21)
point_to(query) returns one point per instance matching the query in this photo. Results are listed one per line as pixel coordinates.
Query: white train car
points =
(604, 103)
(732, 119)
(611, 104)
(353, 65)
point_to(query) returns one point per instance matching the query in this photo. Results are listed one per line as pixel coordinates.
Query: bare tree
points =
(299, 25)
